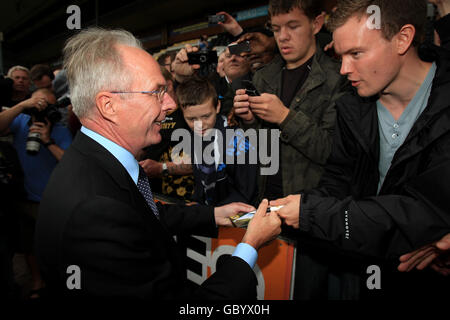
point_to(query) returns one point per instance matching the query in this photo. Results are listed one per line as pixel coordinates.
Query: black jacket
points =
(231, 180)
(92, 215)
(413, 207)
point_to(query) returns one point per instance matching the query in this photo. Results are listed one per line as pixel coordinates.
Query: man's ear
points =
(405, 38)
(106, 105)
(218, 106)
(318, 23)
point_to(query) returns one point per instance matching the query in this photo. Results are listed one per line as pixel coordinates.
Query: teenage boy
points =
(217, 181)
(298, 93)
(385, 190)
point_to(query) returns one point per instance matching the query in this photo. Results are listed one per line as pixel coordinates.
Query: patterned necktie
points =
(144, 187)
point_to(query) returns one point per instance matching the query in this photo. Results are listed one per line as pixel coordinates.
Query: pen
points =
(269, 209)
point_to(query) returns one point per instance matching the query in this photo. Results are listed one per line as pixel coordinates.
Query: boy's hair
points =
(196, 91)
(311, 8)
(394, 15)
(166, 74)
(40, 70)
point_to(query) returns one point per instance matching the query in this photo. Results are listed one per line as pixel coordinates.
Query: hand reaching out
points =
(435, 255)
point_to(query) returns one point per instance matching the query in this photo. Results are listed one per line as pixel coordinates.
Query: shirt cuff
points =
(247, 253)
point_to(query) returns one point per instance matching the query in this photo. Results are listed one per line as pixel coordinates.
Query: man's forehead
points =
(20, 73)
(353, 34)
(294, 15)
(143, 65)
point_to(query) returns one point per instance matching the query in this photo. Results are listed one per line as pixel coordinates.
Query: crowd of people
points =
(357, 120)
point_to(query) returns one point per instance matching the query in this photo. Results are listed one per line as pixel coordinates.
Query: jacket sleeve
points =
(442, 27)
(312, 138)
(198, 220)
(336, 180)
(384, 226)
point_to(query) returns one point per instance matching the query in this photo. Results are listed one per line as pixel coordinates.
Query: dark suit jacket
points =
(92, 215)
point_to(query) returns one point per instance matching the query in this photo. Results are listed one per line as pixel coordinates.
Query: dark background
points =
(34, 31)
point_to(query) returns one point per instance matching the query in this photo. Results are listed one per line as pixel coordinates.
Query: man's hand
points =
(269, 108)
(33, 102)
(180, 65)
(259, 43)
(443, 6)
(152, 168)
(290, 212)
(223, 213)
(242, 106)
(43, 129)
(263, 228)
(435, 255)
(230, 25)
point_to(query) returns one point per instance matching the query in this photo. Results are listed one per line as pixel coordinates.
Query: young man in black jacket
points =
(385, 189)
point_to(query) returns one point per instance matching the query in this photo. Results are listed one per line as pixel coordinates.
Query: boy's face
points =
(200, 118)
(295, 33)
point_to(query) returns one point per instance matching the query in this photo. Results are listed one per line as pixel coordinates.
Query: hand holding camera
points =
(181, 66)
(37, 102)
(229, 23)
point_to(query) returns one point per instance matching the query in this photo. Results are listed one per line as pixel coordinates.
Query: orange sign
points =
(273, 268)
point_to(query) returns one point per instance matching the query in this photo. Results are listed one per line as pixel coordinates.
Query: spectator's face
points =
(44, 82)
(295, 36)
(21, 81)
(235, 66)
(138, 116)
(200, 118)
(220, 65)
(369, 61)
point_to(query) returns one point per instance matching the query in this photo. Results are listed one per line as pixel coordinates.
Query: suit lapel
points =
(119, 174)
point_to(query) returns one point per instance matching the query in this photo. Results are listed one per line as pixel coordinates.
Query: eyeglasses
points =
(159, 93)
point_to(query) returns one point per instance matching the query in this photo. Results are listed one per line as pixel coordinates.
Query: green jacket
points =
(306, 133)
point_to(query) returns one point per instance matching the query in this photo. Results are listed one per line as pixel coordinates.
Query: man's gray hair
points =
(94, 64)
(16, 68)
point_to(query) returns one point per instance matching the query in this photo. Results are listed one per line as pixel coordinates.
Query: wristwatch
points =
(165, 171)
(49, 143)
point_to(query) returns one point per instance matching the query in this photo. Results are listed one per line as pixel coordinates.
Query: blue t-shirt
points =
(37, 168)
(393, 133)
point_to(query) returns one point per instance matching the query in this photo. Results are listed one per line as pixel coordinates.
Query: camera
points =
(204, 57)
(238, 48)
(52, 114)
(207, 59)
(215, 19)
(250, 88)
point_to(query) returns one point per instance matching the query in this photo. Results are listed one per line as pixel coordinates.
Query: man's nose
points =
(284, 34)
(346, 67)
(168, 104)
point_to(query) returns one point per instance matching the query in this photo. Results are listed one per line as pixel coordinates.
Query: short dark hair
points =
(40, 70)
(196, 91)
(311, 8)
(162, 58)
(394, 15)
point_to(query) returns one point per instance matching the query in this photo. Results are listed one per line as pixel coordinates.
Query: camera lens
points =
(33, 143)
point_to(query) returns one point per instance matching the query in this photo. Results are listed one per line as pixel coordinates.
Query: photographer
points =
(20, 88)
(37, 162)
(234, 66)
